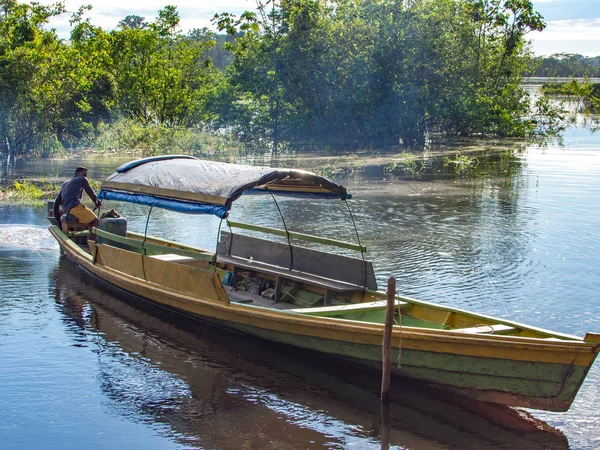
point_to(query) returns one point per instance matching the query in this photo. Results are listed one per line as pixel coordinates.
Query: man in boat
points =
(70, 197)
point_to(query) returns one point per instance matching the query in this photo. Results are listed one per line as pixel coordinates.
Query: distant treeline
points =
(301, 72)
(567, 65)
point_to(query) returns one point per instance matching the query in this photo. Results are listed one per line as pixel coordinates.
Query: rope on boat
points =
(286, 229)
(362, 253)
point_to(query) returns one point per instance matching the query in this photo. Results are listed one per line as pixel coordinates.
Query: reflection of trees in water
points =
(589, 121)
(220, 390)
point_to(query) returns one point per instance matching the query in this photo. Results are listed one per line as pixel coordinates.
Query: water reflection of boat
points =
(221, 390)
(319, 301)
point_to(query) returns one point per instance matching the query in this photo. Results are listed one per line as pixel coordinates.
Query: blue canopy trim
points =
(160, 202)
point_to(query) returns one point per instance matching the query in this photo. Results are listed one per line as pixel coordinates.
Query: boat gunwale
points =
(380, 294)
(286, 317)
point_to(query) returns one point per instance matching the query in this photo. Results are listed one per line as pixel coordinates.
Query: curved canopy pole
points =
(230, 236)
(146, 229)
(286, 229)
(214, 261)
(362, 253)
(144, 241)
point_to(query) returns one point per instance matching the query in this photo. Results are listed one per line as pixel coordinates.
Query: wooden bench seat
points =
(281, 274)
(351, 308)
(69, 227)
(496, 328)
(180, 259)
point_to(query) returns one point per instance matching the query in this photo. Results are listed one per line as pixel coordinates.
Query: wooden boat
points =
(312, 299)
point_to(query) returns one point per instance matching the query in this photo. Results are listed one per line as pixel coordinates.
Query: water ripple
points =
(26, 236)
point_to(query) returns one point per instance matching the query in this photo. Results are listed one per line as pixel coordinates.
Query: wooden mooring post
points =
(386, 345)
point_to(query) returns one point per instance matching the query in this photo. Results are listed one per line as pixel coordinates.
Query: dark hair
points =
(79, 170)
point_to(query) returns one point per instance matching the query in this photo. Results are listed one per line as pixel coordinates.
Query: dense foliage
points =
(567, 65)
(356, 71)
(54, 94)
(347, 72)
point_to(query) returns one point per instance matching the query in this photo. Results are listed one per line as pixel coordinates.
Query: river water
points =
(514, 232)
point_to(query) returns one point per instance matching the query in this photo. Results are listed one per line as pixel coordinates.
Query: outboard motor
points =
(50, 213)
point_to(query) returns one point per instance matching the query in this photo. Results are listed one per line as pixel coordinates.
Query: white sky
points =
(573, 26)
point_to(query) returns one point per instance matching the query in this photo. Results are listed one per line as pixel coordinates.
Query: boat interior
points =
(261, 273)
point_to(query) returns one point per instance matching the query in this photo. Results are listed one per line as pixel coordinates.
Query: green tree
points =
(133, 21)
(37, 75)
(362, 72)
(162, 77)
(95, 104)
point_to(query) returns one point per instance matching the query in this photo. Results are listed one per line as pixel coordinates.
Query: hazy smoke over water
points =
(26, 236)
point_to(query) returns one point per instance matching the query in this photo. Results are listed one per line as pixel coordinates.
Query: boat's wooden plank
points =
(337, 310)
(433, 315)
(185, 260)
(166, 243)
(73, 234)
(133, 243)
(158, 249)
(120, 260)
(496, 328)
(292, 275)
(182, 278)
(172, 257)
(307, 261)
(592, 337)
(301, 236)
(466, 319)
(185, 278)
(152, 248)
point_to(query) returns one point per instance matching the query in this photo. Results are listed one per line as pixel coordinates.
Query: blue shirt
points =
(72, 192)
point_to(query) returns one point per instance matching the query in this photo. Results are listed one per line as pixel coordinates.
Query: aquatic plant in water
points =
(407, 163)
(28, 192)
(461, 163)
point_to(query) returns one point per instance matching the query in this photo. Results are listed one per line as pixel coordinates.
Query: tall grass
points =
(29, 192)
(128, 134)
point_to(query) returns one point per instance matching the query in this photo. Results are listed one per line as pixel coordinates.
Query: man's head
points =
(81, 171)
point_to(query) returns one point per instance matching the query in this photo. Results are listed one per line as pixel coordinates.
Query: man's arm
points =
(90, 191)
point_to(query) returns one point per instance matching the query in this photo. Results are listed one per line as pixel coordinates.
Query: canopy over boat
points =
(187, 184)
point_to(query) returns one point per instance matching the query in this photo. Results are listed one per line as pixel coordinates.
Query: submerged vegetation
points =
(28, 192)
(588, 94)
(346, 73)
(462, 163)
(406, 164)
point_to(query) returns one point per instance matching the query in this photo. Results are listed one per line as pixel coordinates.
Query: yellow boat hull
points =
(541, 373)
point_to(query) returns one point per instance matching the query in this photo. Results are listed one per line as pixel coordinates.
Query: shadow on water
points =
(217, 389)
